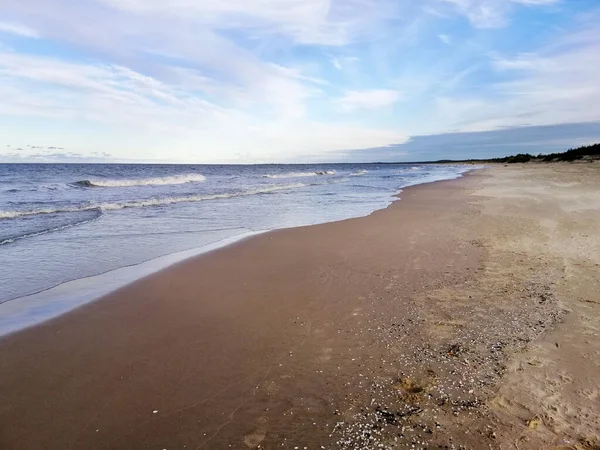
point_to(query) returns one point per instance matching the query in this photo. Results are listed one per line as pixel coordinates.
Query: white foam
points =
(148, 202)
(161, 181)
(33, 309)
(301, 174)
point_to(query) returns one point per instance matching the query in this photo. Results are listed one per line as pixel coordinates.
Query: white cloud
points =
(168, 40)
(102, 96)
(445, 39)
(368, 99)
(344, 62)
(158, 115)
(18, 29)
(535, 2)
(323, 22)
(552, 86)
(491, 13)
(521, 61)
(172, 68)
(210, 80)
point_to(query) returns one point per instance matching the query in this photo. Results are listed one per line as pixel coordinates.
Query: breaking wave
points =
(301, 174)
(147, 202)
(358, 173)
(175, 179)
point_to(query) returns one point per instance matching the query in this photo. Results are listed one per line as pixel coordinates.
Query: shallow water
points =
(65, 222)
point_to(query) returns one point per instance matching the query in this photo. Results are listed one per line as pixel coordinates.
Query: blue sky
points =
(246, 81)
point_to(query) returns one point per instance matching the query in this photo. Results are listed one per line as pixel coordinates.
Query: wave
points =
(147, 202)
(301, 174)
(367, 186)
(48, 187)
(161, 181)
(10, 240)
(358, 173)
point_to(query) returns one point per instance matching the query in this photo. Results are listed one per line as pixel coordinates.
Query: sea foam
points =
(159, 201)
(161, 181)
(301, 174)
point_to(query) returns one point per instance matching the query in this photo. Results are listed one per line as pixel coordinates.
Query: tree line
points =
(573, 154)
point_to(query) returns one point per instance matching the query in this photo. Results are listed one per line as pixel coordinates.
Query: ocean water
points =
(72, 232)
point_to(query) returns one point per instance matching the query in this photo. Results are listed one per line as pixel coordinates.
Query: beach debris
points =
(454, 350)
(421, 390)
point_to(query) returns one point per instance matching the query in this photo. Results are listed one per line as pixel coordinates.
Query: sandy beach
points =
(465, 315)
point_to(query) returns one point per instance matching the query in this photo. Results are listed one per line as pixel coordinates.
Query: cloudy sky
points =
(295, 80)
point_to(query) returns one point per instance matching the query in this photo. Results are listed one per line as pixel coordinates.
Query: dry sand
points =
(464, 316)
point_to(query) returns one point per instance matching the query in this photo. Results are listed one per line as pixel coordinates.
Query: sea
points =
(70, 233)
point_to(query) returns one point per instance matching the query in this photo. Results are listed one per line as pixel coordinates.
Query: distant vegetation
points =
(588, 152)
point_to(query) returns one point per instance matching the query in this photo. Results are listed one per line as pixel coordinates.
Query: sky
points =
(255, 81)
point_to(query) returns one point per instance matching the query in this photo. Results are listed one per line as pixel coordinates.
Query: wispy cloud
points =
(556, 84)
(19, 30)
(284, 80)
(344, 62)
(125, 99)
(331, 23)
(368, 99)
(492, 13)
(99, 92)
(445, 39)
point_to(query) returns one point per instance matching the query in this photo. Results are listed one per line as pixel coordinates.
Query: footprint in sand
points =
(326, 356)
(263, 420)
(590, 393)
(272, 388)
(253, 440)
(565, 377)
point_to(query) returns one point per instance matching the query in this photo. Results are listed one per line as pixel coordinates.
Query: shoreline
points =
(24, 312)
(431, 322)
(21, 313)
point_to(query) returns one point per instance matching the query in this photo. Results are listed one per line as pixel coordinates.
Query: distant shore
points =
(462, 315)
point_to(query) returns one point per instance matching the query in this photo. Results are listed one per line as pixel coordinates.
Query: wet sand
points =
(463, 316)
